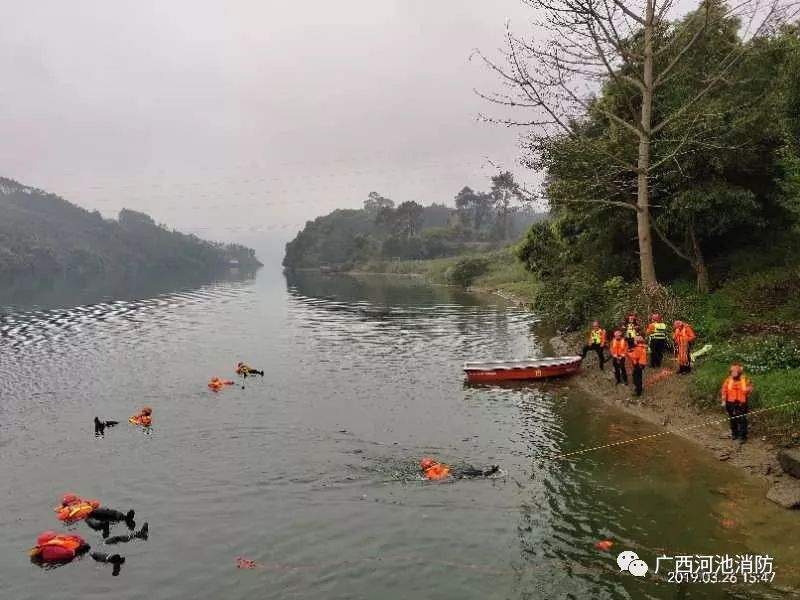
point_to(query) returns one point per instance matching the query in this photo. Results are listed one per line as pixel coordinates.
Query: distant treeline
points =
(43, 235)
(382, 230)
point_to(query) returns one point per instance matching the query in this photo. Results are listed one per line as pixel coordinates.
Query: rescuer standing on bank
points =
(736, 390)
(657, 337)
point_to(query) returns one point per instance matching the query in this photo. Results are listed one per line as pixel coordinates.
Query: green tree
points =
(630, 47)
(507, 197)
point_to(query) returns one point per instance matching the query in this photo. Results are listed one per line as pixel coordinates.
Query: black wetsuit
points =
(471, 472)
(100, 519)
(249, 371)
(114, 559)
(142, 534)
(100, 426)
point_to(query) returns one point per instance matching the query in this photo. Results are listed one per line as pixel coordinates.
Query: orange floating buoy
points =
(604, 545)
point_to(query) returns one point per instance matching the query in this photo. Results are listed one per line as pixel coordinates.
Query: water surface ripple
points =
(312, 470)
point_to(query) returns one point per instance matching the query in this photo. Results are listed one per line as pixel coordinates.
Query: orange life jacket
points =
(143, 420)
(619, 348)
(70, 543)
(638, 355)
(77, 510)
(735, 391)
(437, 471)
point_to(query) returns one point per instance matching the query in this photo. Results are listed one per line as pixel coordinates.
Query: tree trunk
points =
(646, 262)
(699, 263)
(505, 219)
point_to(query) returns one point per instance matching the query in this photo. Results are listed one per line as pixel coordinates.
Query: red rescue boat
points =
(511, 370)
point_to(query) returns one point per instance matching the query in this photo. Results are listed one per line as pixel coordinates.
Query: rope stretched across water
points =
(668, 432)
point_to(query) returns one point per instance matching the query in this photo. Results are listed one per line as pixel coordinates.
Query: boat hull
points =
(517, 372)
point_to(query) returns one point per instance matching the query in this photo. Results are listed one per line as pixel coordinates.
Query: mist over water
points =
(312, 470)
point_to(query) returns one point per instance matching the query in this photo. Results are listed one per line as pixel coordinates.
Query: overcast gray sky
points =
(245, 118)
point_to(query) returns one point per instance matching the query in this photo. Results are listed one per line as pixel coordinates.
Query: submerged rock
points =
(790, 461)
(786, 493)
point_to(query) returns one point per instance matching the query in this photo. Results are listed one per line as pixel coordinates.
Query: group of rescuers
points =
(628, 343)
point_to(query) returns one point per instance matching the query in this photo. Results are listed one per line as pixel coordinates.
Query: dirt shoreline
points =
(666, 404)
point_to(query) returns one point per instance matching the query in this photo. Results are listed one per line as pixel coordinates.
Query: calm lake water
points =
(311, 471)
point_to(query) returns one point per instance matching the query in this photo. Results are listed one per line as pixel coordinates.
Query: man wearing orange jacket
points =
(683, 336)
(735, 392)
(619, 350)
(638, 358)
(596, 342)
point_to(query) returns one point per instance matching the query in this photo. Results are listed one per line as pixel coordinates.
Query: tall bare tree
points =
(580, 45)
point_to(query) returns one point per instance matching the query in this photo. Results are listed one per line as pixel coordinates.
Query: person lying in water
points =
(60, 548)
(74, 508)
(436, 471)
(244, 370)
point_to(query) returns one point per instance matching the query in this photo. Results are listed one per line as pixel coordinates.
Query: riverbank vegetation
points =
(725, 208)
(43, 236)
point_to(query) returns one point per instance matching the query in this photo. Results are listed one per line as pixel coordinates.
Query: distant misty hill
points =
(382, 231)
(43, 235)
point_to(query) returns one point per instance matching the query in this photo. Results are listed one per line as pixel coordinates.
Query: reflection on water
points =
(66, 291)
(311, 471)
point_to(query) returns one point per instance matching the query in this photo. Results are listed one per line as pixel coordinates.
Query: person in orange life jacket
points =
(596, 342)
(683, 336)
(436, 471)
(630, 329)
(735, 392)
(144, 418)
(59, 548)
(619, 351)
(74, 508)
(638, 357)
(244, 370)
(657, 338)
(52, 547)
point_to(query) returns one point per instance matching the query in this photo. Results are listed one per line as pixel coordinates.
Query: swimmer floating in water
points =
(60, 548)
(216, 384)
(244, 370)
(144, 418)
(436, 471)
(74, 508)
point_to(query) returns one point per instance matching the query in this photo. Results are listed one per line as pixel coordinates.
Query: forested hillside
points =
(382, 231)
(43, 235)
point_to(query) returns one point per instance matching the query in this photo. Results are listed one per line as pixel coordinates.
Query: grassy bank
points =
(497, 271)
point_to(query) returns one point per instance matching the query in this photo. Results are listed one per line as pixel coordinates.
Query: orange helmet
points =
(426, 463)
(69, 499)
